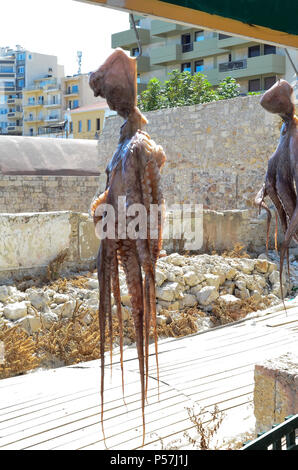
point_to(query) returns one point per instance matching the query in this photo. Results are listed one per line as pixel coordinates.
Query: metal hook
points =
(132, 20)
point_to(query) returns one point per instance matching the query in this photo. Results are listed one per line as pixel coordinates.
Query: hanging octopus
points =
(281, 181)
(132, 174)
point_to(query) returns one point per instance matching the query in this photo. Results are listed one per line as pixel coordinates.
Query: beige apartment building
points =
(47, 104)
(167, 46)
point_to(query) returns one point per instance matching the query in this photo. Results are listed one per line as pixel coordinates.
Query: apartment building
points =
(47, 104)
(19, 68)
(167, 46)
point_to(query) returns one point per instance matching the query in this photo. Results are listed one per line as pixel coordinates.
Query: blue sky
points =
(61, 28)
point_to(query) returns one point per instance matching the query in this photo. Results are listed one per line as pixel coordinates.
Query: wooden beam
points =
(194, 18)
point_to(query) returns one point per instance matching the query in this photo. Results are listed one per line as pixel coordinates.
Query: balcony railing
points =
(233, 65)
(187, 47)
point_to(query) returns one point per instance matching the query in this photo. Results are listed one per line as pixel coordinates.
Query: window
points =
(89, 125)
(186, 67)
(254, 51)
(20, 83)
(138, 78)
(199, 35)
(75, 104)
(21, 69)
(268, 49)
(269, 82)
(74, 89)
(254, 85)
(135, 52)
(230, 57)
(186, 43)
(70, 104)
(80, 126)
(199, 66)
(71, 127)
(98, 124)
(21, 56)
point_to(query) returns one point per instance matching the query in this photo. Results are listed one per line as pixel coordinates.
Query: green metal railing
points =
(280, 437)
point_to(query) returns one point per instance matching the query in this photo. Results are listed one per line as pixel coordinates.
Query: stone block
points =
(275, 390)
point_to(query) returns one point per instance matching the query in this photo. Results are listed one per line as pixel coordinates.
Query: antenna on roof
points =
(79, 58)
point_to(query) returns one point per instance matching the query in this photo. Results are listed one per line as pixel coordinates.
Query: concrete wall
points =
(217, 153)
(30, 241)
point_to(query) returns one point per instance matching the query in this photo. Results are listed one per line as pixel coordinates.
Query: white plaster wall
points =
(31, 240)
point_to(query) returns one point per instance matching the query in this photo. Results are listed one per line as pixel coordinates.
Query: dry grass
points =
(236, 252)
(19, 352)
(223, 313)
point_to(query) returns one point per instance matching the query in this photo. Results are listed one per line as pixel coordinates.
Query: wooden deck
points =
(60, 408)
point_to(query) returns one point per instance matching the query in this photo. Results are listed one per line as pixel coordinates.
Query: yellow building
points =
(87, 121)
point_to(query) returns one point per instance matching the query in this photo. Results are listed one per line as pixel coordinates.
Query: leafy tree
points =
(152, 98)
(184, 89)
(228, 88)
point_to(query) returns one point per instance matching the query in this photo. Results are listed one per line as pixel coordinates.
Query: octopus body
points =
(133, 175)
(281, 181)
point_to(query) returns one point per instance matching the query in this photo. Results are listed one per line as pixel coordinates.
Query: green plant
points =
(185, 89)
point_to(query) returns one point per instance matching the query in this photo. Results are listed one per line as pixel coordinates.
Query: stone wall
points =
(22, 193)
(217, 152)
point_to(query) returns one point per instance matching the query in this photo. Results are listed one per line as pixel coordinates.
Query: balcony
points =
(33, 119)
(15, 115)
(14, 129)
(271, 64)
(71, 92)
(230, 41)
(14, 101)
(52, 118)
(33, 104)
(166, 54)
(51, 104)
(127, 39)
(200, 49)
(234, 65)
(163, 28)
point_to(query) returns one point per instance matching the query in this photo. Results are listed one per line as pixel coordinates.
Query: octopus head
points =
(279, 99)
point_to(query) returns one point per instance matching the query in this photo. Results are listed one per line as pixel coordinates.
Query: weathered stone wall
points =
(29, 242)
(23, 193)
(217, 152)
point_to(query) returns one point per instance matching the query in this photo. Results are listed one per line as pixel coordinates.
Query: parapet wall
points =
(31, 242)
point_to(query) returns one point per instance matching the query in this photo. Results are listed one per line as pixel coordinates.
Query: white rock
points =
(161, 320)
(189, 300)
(228, 299)
(60, 298)
(160, 277)
(242, 294)
(176, 259)
(230, 273)
(212, 280)
(38, 298)
(92, 283)
(15, 311)
(191, 278)
(4, 293)
(66, 309)
(167, 291)
(261, 265)
(48, 318)
(207, 295)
